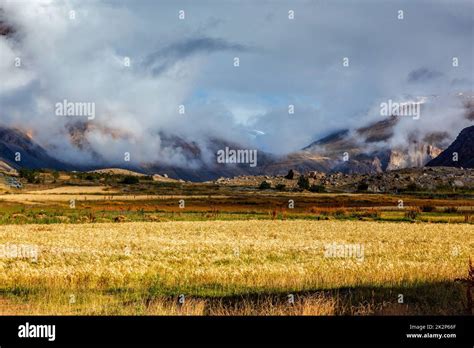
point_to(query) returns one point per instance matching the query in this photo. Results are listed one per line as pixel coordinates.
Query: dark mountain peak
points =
(17, 138)
(459, 154)
(14, 141)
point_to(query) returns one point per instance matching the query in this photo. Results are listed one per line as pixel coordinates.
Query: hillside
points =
(18, 150)
(459, 154)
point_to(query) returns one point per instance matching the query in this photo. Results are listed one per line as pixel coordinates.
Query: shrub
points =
(412, 214)
(363, 186)
(340, 212)
(450, 210)
(317, 188)
(412, 187)
(130, 180)
(29, 174)
(280, 187)
(265, 185)
(372, 214)
(428, 208)
(303, 182)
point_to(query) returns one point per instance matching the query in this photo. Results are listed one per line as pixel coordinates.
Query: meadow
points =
(253, 267)
(91, 244)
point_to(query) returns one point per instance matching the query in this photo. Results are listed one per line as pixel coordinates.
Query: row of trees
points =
(36, 176)
(33, 176)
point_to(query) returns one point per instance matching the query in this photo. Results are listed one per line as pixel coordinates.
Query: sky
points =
(190, 62)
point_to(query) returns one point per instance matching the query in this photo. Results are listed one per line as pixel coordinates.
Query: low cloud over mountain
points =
(165, 87)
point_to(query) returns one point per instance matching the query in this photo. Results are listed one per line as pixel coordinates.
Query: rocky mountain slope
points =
(18, 150)
(459, 154)
(367, 150)
(361, 151)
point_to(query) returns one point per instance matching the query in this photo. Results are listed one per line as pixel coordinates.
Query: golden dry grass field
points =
(234, 267)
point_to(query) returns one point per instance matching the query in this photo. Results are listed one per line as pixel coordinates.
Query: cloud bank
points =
(140, 63)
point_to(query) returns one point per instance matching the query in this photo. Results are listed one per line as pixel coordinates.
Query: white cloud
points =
(282, 62)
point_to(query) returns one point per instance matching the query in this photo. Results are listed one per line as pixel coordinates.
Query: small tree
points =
(265, 185)
(290, 175)
(303, 182)
(55, 175)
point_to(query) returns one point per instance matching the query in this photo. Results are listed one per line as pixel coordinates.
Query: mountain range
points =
(364, 151)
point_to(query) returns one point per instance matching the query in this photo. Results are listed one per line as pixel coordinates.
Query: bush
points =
(290, 175)
(412, 214)
(340, 212)
(130, 180)
(280, 187)
(303, 182)
(265, 185)
(412, 187)
(428, 208)
(451, 210)
(363, 186)
(30, 175)
(317, 188)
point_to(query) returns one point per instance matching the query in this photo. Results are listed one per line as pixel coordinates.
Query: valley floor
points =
(252, 267)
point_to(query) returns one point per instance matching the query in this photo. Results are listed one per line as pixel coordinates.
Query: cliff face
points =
(415, 155)
(459, 154)
(358, 144)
